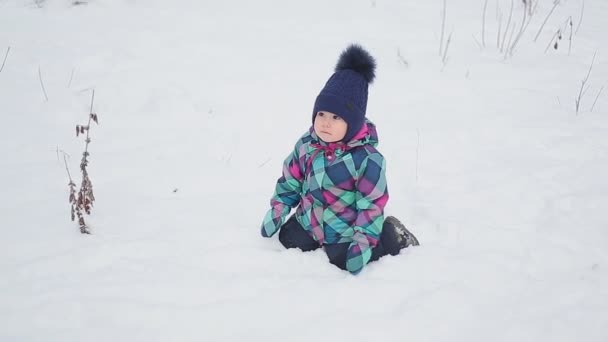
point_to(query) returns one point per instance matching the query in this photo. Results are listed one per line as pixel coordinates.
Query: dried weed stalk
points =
(584, 87)
(81, 201)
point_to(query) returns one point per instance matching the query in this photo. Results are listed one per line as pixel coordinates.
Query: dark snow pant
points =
(293, 235)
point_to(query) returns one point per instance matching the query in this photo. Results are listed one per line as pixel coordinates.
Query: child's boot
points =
(403, 236)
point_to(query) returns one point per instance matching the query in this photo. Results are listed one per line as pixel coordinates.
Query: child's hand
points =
(358, 254)
(273, 220)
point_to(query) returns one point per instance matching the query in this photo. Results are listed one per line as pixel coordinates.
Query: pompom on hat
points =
(345, 93)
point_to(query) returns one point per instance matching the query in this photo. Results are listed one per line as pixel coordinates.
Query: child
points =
(336, 177)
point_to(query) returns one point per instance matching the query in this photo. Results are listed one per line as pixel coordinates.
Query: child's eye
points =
(320, 114)
(337, 117)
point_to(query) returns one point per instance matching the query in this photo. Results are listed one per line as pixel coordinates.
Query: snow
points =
(488, 163)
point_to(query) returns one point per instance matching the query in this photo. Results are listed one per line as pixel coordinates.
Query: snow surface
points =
(488, 163)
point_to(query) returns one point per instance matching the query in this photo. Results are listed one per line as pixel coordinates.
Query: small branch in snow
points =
(58, 150)
(71, 77)
(444, 60)
(67, 169)
(570, 23)
(42, 84)
(553, 41)
(82, 203)
(580, 20)
(546, 19)
(583, 83)
(559, 35)
(507, 50)
(499, 18)
(597, 97)
(526, 20)
(444, 13)
(504, 37)
(5, 56)
(483, 24)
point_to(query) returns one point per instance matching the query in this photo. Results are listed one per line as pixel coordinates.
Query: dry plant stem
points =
(483, 24)
(597, 97)
(5, 56)
(524, 26)
(504, 37)
(546, 19)
(570, 38)
(586, 90)
(42, 84)
(75, 210)
(499, 18)
(417, 152)
(445, 53)
(580, 20)
(88, 140)
(527, 6)
(84, 201)
(557, 33)
(506, 53)
(67, 169)
(71, 77)
(442, 27)
(534, 7)
(583, 83)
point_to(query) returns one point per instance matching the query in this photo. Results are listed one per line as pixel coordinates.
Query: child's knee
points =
(336, 253)
(293, 235)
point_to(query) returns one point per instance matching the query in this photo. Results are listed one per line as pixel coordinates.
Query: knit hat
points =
(345, 93)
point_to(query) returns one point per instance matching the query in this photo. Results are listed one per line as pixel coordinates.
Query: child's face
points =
(329, 127)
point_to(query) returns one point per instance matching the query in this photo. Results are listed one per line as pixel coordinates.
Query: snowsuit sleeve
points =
(286, 196)
(372, 195)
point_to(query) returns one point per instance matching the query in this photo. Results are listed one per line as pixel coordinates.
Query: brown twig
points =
(83, 202)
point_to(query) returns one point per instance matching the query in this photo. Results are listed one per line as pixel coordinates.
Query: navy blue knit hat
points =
(345, 93)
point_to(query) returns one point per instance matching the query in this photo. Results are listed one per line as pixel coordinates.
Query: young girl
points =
(335, 177)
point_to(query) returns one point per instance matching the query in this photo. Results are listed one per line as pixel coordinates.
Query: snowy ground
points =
(488, 163)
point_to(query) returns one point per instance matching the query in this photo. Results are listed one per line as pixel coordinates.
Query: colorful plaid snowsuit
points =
(340, 192)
